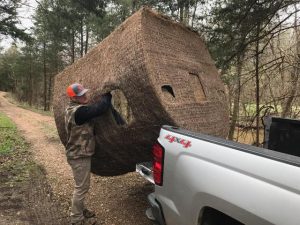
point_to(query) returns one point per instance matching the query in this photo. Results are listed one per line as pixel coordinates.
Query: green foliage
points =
(16, 162)
(8, 64)
(20, 71)
(9, 20)
(8, 135)
(96, 7)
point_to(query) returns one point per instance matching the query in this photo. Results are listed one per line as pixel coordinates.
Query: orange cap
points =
(76, 90)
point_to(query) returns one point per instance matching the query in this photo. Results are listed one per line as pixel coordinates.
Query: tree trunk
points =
(133, 6)
(270, 86)
(73, 46)
(186, 14)
(172, 8)
(236, 101)
(30, 82)
(194, 13)
(294, 73)
(257, 84)
(86, 39)
(45, 75)
(15, 84)
(181, 10)
(81, 38)
(49, 92)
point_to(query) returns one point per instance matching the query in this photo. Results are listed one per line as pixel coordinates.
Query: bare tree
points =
(236, 100)
(294, 75)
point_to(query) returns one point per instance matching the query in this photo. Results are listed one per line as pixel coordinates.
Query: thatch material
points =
(162, 74)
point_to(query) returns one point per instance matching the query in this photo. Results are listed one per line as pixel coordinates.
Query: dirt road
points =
(117, 200)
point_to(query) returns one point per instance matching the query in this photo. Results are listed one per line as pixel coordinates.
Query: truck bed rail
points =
(267, 153)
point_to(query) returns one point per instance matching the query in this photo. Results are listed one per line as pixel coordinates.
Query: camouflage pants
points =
(81, 172)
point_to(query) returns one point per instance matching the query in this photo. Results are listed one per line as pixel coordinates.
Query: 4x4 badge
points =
(185, 143)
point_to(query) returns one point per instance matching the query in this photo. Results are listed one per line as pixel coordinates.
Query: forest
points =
(255, 45)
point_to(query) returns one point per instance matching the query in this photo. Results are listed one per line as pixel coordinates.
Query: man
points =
(81, 146)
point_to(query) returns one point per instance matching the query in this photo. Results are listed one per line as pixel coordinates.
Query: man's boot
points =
(86, 221)
(88, 214)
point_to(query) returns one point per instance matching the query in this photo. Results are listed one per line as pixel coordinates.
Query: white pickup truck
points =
(204, 180)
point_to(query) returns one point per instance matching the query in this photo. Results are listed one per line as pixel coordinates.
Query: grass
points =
(8, 135)
(15, 159)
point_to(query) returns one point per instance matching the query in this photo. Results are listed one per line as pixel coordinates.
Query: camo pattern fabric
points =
(80, 138)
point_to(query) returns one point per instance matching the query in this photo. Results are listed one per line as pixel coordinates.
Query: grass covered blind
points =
(160, 73)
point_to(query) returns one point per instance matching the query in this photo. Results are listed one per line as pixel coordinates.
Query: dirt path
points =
(116, 200)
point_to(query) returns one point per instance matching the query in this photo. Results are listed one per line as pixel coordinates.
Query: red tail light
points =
(158, 163)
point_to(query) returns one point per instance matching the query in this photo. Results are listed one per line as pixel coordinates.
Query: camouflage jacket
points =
(80, 138)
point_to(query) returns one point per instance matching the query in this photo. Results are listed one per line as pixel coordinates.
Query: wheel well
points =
(210, 216)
